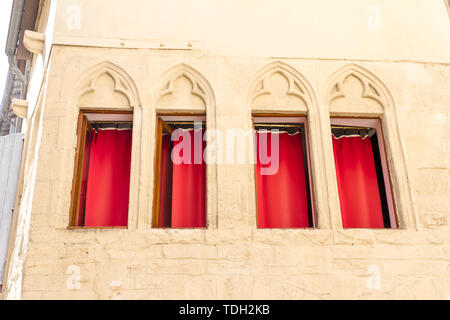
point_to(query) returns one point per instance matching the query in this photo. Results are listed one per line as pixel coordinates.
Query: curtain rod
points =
(279, 125)
(183, 122)
(110, 125)
(351, 128)
(119, 122)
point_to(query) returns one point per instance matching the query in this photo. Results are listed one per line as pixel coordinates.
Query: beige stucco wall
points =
(350, 29)
(410, 76)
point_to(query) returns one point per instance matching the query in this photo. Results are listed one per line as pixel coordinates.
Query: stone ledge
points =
(34, 41)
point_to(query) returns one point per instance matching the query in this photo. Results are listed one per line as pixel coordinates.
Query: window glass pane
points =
(282, 176)
(102, 177)
(108, 182)
(360, 177)
(84, 177)
(182, 176)
(165, 184)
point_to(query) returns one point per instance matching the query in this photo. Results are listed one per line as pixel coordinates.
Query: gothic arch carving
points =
(354, 89)
(279, 85)
(107, 85)
(182, 87)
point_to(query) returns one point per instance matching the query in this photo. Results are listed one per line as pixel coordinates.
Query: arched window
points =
(369, 177)
(184, 180)
(104, 158)
(283, 111)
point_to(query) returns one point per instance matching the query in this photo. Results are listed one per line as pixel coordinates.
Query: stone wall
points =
(232, 259)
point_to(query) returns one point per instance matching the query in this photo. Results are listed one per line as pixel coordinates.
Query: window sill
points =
(94, 228)
(279, 228)
(369, 229)
(179, 228)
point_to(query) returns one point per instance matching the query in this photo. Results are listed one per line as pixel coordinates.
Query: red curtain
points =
(189, 187)
(357, 183)
(165, 184)
(282, 197)
(109, 179)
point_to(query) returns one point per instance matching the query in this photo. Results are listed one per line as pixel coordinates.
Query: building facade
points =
(231, 61)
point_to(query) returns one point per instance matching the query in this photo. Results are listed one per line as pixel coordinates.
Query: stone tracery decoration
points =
(107, 85)
(183, 88)
(353, 89)
(279, 85)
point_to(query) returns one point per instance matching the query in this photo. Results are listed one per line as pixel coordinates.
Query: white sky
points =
(5, 12)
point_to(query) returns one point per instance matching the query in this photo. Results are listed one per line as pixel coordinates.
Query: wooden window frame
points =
(161, 118)
(84, 117)
(301, 119)
(375, 123)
